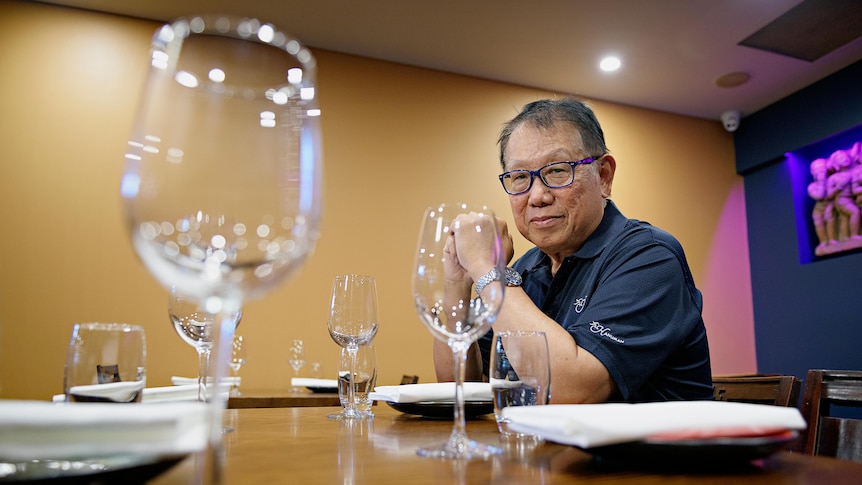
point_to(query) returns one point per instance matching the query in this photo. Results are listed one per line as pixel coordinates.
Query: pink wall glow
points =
(728, 308)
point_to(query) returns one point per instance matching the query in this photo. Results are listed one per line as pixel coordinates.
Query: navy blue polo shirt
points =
(627, 296)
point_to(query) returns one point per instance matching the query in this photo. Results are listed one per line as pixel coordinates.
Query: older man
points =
(615, 296)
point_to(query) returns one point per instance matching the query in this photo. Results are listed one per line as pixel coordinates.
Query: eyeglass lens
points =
(554, 175)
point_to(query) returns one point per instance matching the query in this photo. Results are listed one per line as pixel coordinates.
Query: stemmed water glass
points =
(222, 178)
(238, 358)
(296, 360)
(352, 324)
(194, 324)
(447, 306)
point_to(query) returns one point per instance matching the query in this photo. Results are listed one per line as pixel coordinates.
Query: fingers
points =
(506, 239)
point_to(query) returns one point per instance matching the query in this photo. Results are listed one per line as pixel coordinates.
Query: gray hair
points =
(547, 113)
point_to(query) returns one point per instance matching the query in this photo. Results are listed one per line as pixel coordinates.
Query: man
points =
(615, 296)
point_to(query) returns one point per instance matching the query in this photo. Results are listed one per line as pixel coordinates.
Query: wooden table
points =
(282, 399)
(300, 445)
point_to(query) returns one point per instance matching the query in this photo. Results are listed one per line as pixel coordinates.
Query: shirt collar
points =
(613, 222)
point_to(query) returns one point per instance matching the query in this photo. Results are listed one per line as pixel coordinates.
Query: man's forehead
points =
(528, 143)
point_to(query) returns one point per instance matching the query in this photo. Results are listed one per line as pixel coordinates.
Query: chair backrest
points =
(777, 390)
(829, 435)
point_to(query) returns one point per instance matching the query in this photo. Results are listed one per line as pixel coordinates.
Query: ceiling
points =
(673, 51)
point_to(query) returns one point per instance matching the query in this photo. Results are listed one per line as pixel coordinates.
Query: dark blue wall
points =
(805, 315)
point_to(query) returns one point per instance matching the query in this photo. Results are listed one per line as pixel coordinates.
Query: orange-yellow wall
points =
(396, 139)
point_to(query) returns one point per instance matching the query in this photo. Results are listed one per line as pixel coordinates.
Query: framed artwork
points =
(827, 193)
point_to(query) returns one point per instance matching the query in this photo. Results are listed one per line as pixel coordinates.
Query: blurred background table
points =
(282, 399)
(300, 445)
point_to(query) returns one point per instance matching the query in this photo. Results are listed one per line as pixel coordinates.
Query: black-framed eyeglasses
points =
(553, 175)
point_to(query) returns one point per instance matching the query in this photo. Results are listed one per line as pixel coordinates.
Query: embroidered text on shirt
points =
(600, 329)
(580, 303)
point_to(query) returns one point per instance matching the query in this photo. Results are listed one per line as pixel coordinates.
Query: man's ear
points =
(607, 169)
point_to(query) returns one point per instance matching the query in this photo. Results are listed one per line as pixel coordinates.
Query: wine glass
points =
(238, 358)
(194, 324)
(297, 360)
(222, 177)
(447, 306)
(352, 324)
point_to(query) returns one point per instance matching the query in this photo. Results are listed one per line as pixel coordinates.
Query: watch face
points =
(513, 278)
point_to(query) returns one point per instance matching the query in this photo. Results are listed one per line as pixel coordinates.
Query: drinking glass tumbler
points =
(364, 378)
(520, 373)
(106, 362)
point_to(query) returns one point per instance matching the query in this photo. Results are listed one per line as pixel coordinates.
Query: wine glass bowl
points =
(349, 336)
(222, 177)
(447, 305)
(352, 324)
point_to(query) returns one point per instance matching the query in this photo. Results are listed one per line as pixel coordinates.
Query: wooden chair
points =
(777, 390)
(829, 435)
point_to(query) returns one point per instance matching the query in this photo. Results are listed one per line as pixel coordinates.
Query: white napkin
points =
(591, 425)
(310, 382)
(116, 391)
(31, 430)
(185, 381)
(431, 392)
(187, 392)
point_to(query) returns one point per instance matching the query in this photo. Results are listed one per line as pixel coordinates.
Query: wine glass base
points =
(355, 415)
(463, 449)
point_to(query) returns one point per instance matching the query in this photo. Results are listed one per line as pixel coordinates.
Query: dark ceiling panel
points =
(811, 29)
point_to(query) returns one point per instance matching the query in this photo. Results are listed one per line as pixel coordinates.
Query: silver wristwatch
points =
(513, 278)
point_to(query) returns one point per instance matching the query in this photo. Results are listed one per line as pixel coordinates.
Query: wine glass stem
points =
(459, 352)
(203, 372)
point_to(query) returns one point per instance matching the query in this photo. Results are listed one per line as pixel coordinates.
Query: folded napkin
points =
(591, 425)
(31, 430)
(431, 392)
(113, 391)
(309, 382)
(185, 381)
(188, 392)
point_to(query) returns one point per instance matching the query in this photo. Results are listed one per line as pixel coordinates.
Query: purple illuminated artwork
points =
(828, 192)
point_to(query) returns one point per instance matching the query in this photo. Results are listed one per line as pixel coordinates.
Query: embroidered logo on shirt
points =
(600, 329)
(580, 303)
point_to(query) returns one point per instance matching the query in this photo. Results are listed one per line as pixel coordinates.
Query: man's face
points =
(559, 220)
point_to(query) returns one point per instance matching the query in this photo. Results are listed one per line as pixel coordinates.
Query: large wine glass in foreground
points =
(222, 177)
(447, 306)
(352, 324)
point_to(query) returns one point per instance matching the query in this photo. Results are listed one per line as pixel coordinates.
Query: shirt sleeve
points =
(638, 315)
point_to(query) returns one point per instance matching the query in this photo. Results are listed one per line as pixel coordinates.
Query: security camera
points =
(730, 120)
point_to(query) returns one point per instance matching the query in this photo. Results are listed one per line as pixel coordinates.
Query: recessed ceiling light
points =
(733, 79)
(610, 63)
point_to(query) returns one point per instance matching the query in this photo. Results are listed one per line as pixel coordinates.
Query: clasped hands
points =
(471, 248)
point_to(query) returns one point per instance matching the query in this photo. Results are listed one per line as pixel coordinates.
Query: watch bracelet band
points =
(513, 278)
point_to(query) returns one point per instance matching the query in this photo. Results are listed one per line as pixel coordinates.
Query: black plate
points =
(109, 469)
(322, 389)
(443, 410)
(695, 451)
